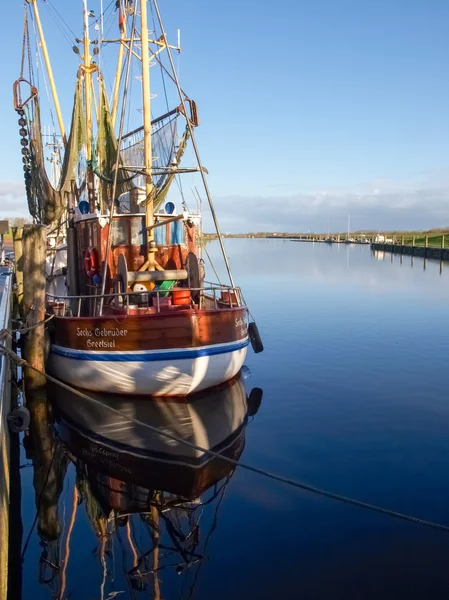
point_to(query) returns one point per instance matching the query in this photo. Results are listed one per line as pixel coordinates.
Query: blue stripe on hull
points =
(151, 355)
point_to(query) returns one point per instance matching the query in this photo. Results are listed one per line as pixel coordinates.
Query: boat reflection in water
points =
(152, 501)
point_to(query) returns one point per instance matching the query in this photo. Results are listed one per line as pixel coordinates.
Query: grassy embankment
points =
(434, 236)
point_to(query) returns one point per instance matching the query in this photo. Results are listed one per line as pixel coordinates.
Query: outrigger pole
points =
(195, 147)
(118, 74)
(49, 70)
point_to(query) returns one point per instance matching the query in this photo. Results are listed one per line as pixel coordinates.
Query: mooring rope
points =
(4, 333)
(236, 463)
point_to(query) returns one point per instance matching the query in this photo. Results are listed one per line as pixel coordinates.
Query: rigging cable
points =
(209, 535)
(69, 37)
(69, 29)
(177, 177)
(236, 463)
(39, 55)
(102, 14)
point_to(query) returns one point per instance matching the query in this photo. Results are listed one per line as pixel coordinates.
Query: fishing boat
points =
(132, 310)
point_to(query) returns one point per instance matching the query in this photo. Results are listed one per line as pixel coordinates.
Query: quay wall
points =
(435, 253)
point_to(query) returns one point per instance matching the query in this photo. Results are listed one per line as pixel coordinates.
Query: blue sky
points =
(309, 110)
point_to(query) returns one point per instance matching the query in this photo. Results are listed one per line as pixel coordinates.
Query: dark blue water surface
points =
(355, 400)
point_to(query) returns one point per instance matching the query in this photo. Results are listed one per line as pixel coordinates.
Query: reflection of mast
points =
(155, 539)
(67, 544)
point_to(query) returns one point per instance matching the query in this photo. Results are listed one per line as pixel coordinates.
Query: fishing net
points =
(45, 202)
(166, 151)
(105, 156)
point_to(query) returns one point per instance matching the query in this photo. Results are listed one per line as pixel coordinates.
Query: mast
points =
(148, 158)
(49, 70)
(87, 81)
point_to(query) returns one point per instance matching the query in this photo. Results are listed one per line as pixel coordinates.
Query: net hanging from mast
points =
(167, 147)
(45, 202)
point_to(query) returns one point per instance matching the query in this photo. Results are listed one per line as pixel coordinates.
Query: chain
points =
(25, 37)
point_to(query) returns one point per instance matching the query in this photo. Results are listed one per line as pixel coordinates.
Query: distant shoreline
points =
(398, 233)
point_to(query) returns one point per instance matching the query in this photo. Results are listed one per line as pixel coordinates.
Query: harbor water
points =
(355, 401)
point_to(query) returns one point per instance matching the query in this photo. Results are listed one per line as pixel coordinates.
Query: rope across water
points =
(236, 463)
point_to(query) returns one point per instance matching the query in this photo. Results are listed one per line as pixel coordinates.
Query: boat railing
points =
(222, 296)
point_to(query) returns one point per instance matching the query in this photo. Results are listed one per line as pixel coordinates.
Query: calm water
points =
(355, 400)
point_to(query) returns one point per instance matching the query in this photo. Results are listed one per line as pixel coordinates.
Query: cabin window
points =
(94, 234)
(120, 235)
(160, 236)
(82, 237)
(91, 241)
(177, 232)
(138, 234)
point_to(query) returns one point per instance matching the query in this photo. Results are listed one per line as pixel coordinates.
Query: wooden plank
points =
(186, 329)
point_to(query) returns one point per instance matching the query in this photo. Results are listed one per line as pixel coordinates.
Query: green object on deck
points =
(165, 285)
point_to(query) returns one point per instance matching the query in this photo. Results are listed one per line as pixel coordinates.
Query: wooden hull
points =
(172, 354)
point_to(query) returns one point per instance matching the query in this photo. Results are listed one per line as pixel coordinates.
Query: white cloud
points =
(375, 205)
(12, 200)
(12, 189)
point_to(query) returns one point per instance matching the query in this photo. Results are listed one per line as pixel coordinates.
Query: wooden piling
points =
(442, 241)
(34, 242)
(427, 241)
(413, 241)
(18, 260)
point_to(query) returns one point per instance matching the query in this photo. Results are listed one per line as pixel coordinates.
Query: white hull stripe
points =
(150, 355)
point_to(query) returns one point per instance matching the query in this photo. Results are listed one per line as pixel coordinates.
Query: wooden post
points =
(18, 259)
(427, 241)
(402, 240)
(413, 241)
(442, 241)
(34, 279)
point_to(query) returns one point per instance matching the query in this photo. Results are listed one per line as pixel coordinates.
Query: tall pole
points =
(118, 73)
(148, 157)
(87, 82)
(49, 70)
